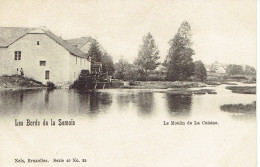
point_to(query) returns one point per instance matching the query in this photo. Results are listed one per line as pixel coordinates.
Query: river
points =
(125, 127)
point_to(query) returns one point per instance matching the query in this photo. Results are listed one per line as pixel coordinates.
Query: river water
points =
(125, 127)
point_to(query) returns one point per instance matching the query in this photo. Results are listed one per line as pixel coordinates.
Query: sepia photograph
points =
(128, 83)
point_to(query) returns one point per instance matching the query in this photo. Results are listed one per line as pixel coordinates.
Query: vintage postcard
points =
(128, 83)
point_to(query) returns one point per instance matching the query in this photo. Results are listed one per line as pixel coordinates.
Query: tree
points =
(249, 70)
(125, 70)
(147, 55)
(234, 69)
(121, 68)
(200, 71)
(107, 64)
(179, 62)
(131, 73)
(94, 52)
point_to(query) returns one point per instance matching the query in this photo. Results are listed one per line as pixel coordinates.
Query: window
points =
(47, 74)
(38, 42)
(80, 61)
(17, 55)
(42, 63)
(76, 60)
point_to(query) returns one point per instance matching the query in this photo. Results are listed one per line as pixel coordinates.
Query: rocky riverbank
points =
(19, 82)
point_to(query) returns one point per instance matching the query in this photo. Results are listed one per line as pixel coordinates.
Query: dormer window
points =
(38, 42)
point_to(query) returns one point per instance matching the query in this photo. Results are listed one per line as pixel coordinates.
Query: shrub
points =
(51, 85)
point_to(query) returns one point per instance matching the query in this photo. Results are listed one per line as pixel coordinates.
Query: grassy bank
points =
(184, 91)
(18, 82)
(242, 89)
(163, 85)
(239, 108)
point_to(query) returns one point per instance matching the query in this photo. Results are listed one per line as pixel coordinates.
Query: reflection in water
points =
(13, 102)
(58, 101)
(145, 102)
(90, 103)
(21, 97)
(99, 102)
(74, 102)
(243, 117)
(179, 105)
(123, 100)
(47, 99)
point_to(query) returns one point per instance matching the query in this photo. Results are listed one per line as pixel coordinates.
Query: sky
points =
(223, 30)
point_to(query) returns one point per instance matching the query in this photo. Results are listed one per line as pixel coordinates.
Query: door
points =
(47, 74)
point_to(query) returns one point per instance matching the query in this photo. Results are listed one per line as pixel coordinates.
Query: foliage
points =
(249, 70)
(233, 69)
(51, 85)
(94, 52)
(125, 70)
(147, 55)
(85, 80)
(97, 56)
(200, 71)
(131, 73)
(179, 62)
(120, 68)
(107, 64)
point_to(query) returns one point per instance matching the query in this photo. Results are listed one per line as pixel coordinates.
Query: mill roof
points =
(9, 35)
(80, 42)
